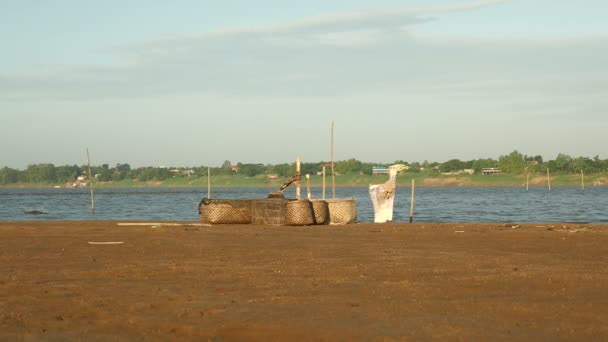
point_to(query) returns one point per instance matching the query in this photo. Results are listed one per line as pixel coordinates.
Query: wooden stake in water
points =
(527, 181)
(308, 194)
(323, 172)
(548, 179)
(582, 180)
(412, 201)
(208, 182)
(298, 175)
(91, 183)
(333, 173)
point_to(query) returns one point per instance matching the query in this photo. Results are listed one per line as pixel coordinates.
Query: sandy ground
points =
(387, 282)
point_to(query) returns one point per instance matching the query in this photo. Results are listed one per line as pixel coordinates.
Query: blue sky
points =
(188, 83)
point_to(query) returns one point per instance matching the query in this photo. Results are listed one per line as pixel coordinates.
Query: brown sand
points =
(387, 282)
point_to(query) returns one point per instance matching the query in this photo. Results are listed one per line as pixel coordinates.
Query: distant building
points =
(380, 170)
(272, 176)
(81, 182)
(490, 171)
(234, 168)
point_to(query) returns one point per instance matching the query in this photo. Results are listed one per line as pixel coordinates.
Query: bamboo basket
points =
(342, 211)
(221, 211)
(320, 210)
(299, 213)
(269, 211)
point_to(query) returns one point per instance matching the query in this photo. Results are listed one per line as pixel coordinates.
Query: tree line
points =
(512, 163)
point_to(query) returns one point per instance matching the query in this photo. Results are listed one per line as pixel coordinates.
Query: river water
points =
(432, 204)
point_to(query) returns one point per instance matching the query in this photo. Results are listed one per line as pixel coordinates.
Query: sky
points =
(199, 82)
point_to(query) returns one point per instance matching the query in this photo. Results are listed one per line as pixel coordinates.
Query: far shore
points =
(405, 180)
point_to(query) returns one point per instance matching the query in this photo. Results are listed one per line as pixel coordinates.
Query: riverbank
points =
(403, 180)
(260, 283)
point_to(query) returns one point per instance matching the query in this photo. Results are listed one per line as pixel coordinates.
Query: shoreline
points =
(399, 184)
(347, 181)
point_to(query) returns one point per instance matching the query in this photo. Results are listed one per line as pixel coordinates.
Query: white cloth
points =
(383, 197)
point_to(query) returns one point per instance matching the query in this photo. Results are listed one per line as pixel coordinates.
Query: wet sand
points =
(386, 282)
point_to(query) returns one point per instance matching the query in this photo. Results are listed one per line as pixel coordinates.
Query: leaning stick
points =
(323, 172)
(412, 201)
(91, 183)
(298, 161)
(208, 182)
(333, 172)
(308, 195)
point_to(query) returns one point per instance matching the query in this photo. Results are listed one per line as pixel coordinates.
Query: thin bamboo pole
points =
(527, 181)
(209, 182)
(298, 161)
(308, 194)
(91, 183)
(548, 179)
(323, 172)
(412, 201)
(333, 172)
(582, 180)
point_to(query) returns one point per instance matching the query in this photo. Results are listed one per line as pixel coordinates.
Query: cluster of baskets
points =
(278, 211)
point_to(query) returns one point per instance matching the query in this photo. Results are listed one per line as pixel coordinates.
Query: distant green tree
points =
(513, 163)
(8, 176)
(452, 165)
(310, 168)
(41, 173)
(351, 166)
(104, 172)
(284, 170)
(251, 170)
(479, 164)
(563, 163)
(582, 163)
(121, 172)
(67, 173)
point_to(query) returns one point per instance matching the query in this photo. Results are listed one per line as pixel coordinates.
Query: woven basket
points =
(321, 211)
(269, 211)
(342, 211)
(218, 211)
(299, 213)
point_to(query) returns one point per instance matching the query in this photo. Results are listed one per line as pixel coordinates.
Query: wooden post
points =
(308, 194)
(548, 179)
(209, 182)
(333, 173)
(582, 180)
(323, 172)
(298, 175)
(91, 183)
(527, 180)
(412, 201)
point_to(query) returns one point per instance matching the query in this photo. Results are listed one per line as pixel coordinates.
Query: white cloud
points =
(339, 53)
